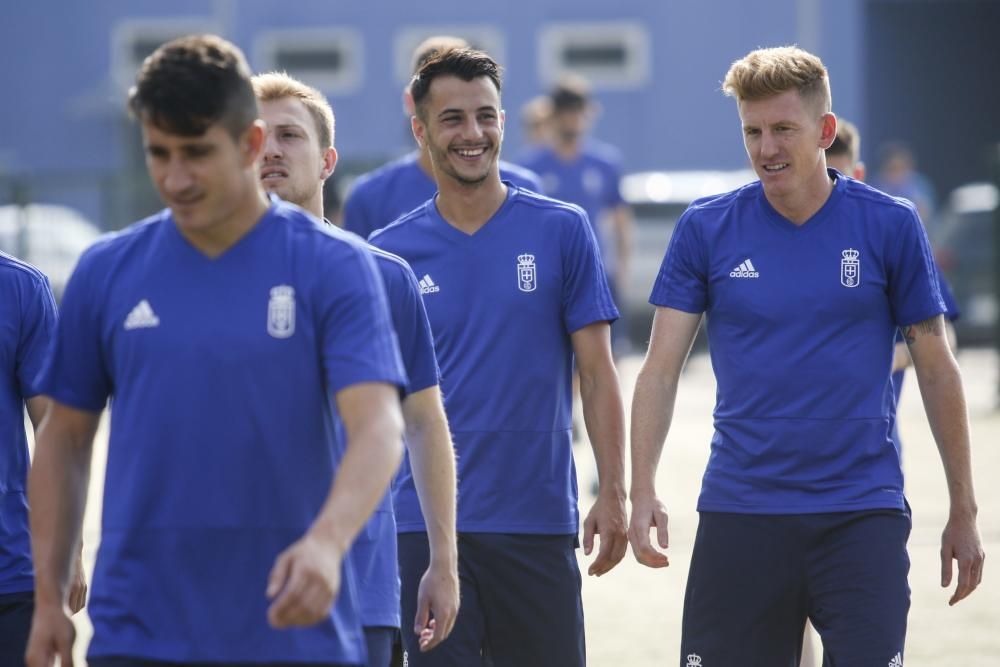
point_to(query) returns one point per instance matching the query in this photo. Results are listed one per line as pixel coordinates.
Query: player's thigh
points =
(530, 590)
(859, 593)
(464, 646)
(16, 610)
(745, 601)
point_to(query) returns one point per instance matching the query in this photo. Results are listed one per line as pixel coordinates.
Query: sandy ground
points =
(634, 613)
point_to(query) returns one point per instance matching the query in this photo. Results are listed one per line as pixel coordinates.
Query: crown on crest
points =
(694, 660)
(850, 253)
(525, 259)
(282, 292)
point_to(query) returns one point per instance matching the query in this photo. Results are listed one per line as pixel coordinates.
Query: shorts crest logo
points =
(694, 660)
(850, 268)
(281, 312)
(526, 280)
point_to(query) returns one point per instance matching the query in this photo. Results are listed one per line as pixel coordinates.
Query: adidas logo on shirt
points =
(427, 285)
(745, 270)
(142, 317)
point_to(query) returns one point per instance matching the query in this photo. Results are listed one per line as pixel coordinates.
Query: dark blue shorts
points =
(16, 610)
(521, 603)
(380, 641)
(754, 580)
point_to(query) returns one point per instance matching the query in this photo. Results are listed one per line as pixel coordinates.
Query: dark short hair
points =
(193, 82)
(570, 94)
(466, 64)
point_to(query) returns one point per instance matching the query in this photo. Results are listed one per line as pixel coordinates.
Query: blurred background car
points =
(965, 248)
(48, 236)
(658, 198)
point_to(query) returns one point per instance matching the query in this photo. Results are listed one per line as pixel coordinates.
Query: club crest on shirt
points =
(850, 268)
(526, 280)
(281, 311)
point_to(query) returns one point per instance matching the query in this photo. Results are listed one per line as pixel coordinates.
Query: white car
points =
(48, 236)
(658, 198)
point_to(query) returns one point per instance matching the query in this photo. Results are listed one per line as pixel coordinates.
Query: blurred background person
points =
(898, 176)
(581, 170)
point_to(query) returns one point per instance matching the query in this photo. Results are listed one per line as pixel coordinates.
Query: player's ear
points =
(828, 130)
(329, 163)
(419, 130)
(252, 141)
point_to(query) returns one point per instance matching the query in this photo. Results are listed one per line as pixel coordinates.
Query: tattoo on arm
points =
(931, 326)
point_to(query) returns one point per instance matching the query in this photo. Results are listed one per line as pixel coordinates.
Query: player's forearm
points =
(57, 492)
(652, 411)
(603, 414)
(370, 461)
(432, 459)
(944, 402)
(623, 232)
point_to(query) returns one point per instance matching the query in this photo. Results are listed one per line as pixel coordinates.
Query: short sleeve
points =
(914, 294)
(682, 282)
(357, 338)
(76, 373)
(586, 296)
(413, 329)
(38, 328)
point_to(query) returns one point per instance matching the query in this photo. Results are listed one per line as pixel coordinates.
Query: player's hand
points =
(648, 512)
(78, 586)
(607, 519)
(960, 541)
(52, 636)
(303, 583)
(437, 604)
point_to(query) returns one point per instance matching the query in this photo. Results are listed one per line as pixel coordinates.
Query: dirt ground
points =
(633, 614)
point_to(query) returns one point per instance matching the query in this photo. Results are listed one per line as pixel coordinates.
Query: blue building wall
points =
(65, 114)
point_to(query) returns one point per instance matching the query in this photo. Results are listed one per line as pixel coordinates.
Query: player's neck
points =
(215, 239)
(800, 205)
(469, 207)
(567, 150)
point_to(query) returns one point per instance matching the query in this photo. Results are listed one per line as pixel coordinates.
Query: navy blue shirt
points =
(801, 323)
(502, 304)
(27, 325)
(223, 441)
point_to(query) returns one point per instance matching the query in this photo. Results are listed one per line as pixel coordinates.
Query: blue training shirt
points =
(502, 304)
(801, 322)
(374, 553)
(591, 181)
(223, 439)
(27, 325)
(379, 197)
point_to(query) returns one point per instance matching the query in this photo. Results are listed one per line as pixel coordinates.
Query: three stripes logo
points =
(427, 285)
(745, 270)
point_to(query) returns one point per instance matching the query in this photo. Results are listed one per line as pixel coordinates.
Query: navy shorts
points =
(380, 641)
(754, 580)
(16, 610)
(521, 603)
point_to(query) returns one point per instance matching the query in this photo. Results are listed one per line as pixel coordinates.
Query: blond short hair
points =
(768, 72)
(279, 85)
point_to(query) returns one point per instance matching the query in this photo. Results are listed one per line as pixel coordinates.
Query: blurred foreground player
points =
(222, 329)
(298, 156)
